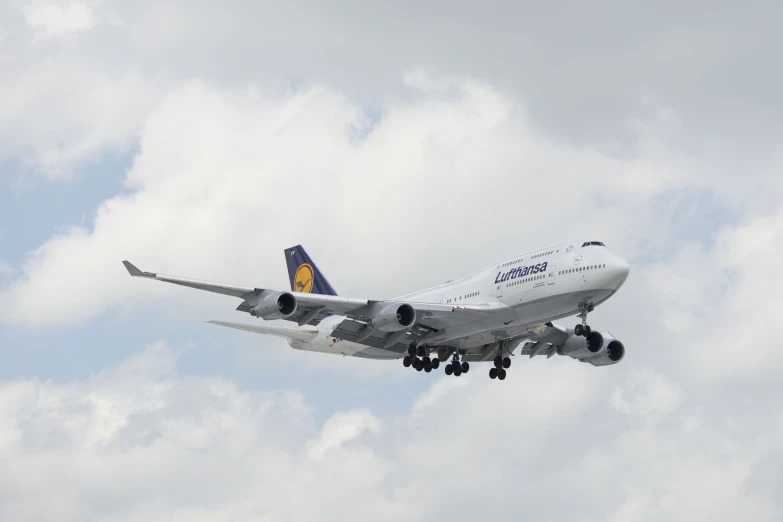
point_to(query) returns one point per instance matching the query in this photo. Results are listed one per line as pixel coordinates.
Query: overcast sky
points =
(403, 144)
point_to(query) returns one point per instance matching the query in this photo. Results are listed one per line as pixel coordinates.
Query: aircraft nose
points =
(621, 269)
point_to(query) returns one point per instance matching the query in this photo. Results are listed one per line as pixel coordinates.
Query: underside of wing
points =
(431, 322)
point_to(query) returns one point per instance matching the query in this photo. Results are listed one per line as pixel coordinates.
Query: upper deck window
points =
(590, 243)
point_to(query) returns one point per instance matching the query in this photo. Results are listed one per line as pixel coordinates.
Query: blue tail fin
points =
(304, 275)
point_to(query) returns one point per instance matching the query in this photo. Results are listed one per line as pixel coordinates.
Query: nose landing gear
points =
(583, 329)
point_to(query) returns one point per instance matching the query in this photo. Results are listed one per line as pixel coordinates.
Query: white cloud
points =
(449, 172)
(717, 303)
(650, 395)
(140, 442)
(219, 169)
(597, 87)
(342, 427)
(55, 18)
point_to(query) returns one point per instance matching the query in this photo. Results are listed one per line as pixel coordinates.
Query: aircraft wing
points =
(312, 308)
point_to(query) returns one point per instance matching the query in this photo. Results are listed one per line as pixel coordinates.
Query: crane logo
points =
(303, 280)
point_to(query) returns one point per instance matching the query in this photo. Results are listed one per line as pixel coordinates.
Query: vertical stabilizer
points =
(304, 275)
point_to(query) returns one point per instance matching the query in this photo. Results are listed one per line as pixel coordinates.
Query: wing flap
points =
(289, 333)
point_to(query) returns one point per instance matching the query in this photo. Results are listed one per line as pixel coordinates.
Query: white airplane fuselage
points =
(528, 289)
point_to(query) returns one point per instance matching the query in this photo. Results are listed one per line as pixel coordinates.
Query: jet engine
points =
(274, 305)
(598, 348)
(393, 318)
(578, 347)
(613, 352)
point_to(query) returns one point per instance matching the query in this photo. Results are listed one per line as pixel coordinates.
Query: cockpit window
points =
(592, 243)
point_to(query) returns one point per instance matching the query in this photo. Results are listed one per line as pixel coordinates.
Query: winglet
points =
(135, 272)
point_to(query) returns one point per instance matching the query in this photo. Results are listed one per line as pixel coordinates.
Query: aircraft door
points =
(552, 275)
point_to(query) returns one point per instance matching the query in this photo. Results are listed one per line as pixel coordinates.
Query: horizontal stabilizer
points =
(299, 334)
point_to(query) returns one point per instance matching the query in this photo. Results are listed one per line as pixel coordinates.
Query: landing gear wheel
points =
(588, 330)
(420, 351)
(435, 363)
(498, 362)
(465, 367)
(412, 350)
(406, 361)
(449, 369)
(457, 372)
(579, 330)
(418, 364)
(428, 369)
(426, 360)
(501, 374)
(493, 373)
(506, 362)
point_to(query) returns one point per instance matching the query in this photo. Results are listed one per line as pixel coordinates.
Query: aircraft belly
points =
(560, 305)
(527, 315)
(369, 352)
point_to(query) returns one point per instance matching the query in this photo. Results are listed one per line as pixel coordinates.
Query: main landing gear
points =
(501, 365)
(420, 360)
(583, 329)
(455, 367)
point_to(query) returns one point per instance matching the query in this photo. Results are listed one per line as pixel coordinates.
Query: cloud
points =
(218, 169)
(55, 18)
(597, 87)
(717, 302)
(342, 427)
(139, 441)
(444, 148)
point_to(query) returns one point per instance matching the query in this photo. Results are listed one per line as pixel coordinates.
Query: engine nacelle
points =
(612, 353)
(393, 318)
(578, 347)
(275, 305)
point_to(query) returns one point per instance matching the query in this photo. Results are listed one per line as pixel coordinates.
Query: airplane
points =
(485, 316)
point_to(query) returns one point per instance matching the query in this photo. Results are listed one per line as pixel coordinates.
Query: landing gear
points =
(501, 364)
(497, 373)
(420, 360)
(455, 367)
(583, 329)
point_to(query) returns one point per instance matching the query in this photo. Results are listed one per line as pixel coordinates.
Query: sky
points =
(403, 144)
